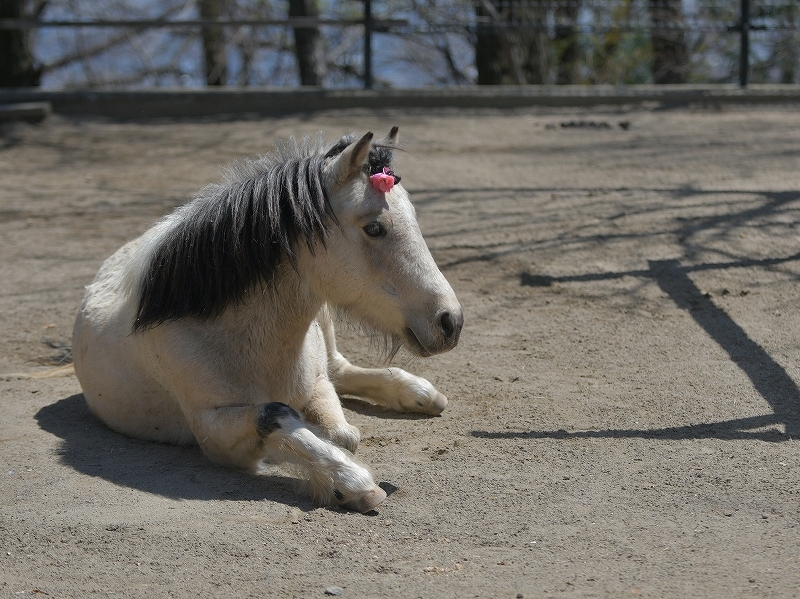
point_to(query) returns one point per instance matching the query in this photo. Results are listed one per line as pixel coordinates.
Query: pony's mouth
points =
(415, 345)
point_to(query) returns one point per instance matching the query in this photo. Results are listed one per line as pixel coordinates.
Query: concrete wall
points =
(135, 104)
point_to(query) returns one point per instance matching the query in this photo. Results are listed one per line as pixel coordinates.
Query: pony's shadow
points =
(167, 470)
(365, 408)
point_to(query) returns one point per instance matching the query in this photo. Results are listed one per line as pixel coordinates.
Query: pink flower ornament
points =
(383, 181)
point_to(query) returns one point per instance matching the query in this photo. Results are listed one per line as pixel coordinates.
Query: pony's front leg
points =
(325, 411)
(243, 436)
(393, 388)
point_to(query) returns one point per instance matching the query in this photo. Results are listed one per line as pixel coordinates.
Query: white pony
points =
(214, 326)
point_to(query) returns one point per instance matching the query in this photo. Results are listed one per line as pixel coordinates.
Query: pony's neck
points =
(277, 315)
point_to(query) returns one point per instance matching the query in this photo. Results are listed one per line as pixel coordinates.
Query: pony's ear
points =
(350, 162)
(392, 137)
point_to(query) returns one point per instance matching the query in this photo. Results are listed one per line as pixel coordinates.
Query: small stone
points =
(334, 590)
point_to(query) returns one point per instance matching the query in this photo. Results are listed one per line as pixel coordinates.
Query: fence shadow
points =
(167, 470)
(727, 430)
(768, 377)
(683, 228)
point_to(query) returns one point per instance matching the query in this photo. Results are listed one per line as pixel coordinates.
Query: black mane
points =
(232, 237)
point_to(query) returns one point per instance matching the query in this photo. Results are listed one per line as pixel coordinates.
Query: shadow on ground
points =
(171, 471)
(768, 377)
(728, 430)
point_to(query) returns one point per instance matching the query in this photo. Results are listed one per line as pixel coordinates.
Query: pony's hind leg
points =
(393, 388)
(243, 436)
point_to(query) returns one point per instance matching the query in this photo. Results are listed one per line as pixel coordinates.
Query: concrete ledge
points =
(134, 104)
(32, 112)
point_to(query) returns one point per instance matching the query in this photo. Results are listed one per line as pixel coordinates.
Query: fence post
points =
(743, 27)
(367, 44)
(744, 52)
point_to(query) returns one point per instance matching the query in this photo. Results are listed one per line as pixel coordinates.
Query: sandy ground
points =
(624, 403)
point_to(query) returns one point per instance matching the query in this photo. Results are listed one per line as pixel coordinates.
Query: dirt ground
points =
(624, 403)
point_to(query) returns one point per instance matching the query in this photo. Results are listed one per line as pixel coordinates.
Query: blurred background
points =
(395, 43)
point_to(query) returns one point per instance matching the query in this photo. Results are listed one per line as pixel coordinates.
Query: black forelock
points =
(380, 154)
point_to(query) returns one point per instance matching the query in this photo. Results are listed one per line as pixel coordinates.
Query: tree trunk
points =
(566, 42)
(513, 47)
(308, 44)
(213, 43)
(670, 55)
(787, 46)
(17, 65)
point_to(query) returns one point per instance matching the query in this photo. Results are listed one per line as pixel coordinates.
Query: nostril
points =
(449, 324)
(446, 323)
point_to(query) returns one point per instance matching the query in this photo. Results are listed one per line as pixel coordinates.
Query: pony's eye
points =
(374, 229)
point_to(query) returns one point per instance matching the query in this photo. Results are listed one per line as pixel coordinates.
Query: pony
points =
(215, 326)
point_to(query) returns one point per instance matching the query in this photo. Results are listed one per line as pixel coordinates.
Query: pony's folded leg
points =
(334, 476)
(393, 388)
(324, 410)
(243, 436)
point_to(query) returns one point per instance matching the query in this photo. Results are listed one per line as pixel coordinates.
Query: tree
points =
(309, 46)
(670, 54)
(216, 64)
(512, 46)
(18, 68)
(566, 42)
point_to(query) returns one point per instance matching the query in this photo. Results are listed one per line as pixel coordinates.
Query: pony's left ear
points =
(392, 137)
(350, 163)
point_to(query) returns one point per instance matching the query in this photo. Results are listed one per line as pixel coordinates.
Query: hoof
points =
(367, 502)
(438, 404)
(432, 405)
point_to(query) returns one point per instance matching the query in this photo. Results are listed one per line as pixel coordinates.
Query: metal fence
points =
(451, 31)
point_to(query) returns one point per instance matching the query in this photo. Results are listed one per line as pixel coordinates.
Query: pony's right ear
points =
(350, 162)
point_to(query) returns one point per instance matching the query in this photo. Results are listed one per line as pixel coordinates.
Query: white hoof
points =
(438, 404)
(432, 404)
(414, 394)
(423, 399)
(366, 502)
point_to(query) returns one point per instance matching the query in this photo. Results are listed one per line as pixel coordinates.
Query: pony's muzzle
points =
(430, 337)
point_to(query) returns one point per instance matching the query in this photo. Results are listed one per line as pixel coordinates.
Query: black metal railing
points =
(468, 20)
(369, 23)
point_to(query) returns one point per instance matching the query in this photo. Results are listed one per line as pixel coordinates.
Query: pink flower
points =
(383, 181)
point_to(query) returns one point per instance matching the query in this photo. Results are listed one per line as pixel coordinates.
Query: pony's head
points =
(365, 253)
(374, 264)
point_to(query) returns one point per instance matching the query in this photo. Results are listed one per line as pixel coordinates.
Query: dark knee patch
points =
(269, 417)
